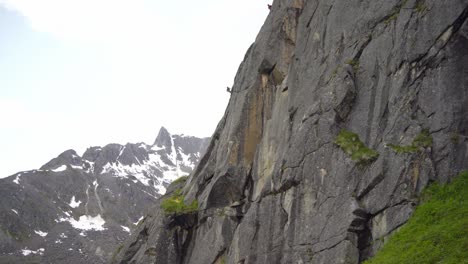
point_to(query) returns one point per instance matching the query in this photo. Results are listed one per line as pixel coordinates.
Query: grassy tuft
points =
(422, 140)
(352, 145)
(175, 204)
(353, 63)
(436, 233)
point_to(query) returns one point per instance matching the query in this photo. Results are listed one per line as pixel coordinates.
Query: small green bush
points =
(352, 145)
(422, 140)
(436, 233)
(175, 204)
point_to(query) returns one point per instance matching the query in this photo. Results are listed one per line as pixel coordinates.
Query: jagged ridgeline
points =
(79, 209)
(341, 113)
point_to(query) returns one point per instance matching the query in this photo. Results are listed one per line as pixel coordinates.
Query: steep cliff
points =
(341, 112)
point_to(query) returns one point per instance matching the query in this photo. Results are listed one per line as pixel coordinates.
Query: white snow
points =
(14, 211)
(150, 169)
(61, 168)
(186, 160)
(91, 166)
(63, 235)
(136, 223)
(73, 203)
(122, 171)
(16, 180)
(86, 222)
(126, 229)
(77, 167)
(156, 148)
(58, 241)
(120, 154)
(143, 146)
(39, 232)
(27, 251)
(160, 189)
(83, 234)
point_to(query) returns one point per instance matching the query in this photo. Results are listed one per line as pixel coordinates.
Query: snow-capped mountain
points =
(80, 208)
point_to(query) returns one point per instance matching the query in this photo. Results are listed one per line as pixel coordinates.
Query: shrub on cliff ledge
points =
(437, 232)
(353, 146)
(175, 204)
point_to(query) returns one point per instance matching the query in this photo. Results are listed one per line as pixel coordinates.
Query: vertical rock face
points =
(79, 209)
(275, 186)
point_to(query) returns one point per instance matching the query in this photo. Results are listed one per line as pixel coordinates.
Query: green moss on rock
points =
(175, 204)
(350, 143)
(422, 140)
(436, 233)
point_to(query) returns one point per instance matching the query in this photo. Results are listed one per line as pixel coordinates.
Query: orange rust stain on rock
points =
(234, 154)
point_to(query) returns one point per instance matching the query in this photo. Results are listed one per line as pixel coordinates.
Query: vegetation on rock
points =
(353, 146)
(422, 140)
(438, 230)
(175, 204)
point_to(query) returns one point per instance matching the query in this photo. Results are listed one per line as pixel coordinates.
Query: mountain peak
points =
(163, 138)
(68, 157)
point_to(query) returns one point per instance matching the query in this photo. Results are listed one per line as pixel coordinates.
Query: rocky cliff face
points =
(341, 112)
(79, 209)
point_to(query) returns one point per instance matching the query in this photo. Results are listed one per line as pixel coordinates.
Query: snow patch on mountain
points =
(16, 180)
(40, 233)
(61, 168)
(27, 251)
(86, 222)
(73, 203)
(126, 229)
(138, 221)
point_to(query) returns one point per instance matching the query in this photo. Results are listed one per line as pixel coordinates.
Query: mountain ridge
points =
(79, 207)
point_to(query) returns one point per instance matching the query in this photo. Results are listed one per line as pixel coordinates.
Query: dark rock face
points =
(274, 187)
(80, 209)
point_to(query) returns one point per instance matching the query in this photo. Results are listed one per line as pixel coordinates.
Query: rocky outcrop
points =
(80, 209)
(275, 185)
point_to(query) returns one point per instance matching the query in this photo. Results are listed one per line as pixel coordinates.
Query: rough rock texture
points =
(273, 186)
(79, 209)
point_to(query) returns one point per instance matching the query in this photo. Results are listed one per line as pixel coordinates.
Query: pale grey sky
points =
(80, 73)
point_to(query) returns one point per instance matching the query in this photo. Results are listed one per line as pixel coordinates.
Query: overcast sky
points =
(80, 73)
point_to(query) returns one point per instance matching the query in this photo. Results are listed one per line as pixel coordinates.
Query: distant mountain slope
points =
(80, 208)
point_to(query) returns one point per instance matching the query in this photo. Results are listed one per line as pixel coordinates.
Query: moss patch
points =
(175, 204)
(420, 7)
(353, 146)
(437, 232)
(422, 140)
(353, 63)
